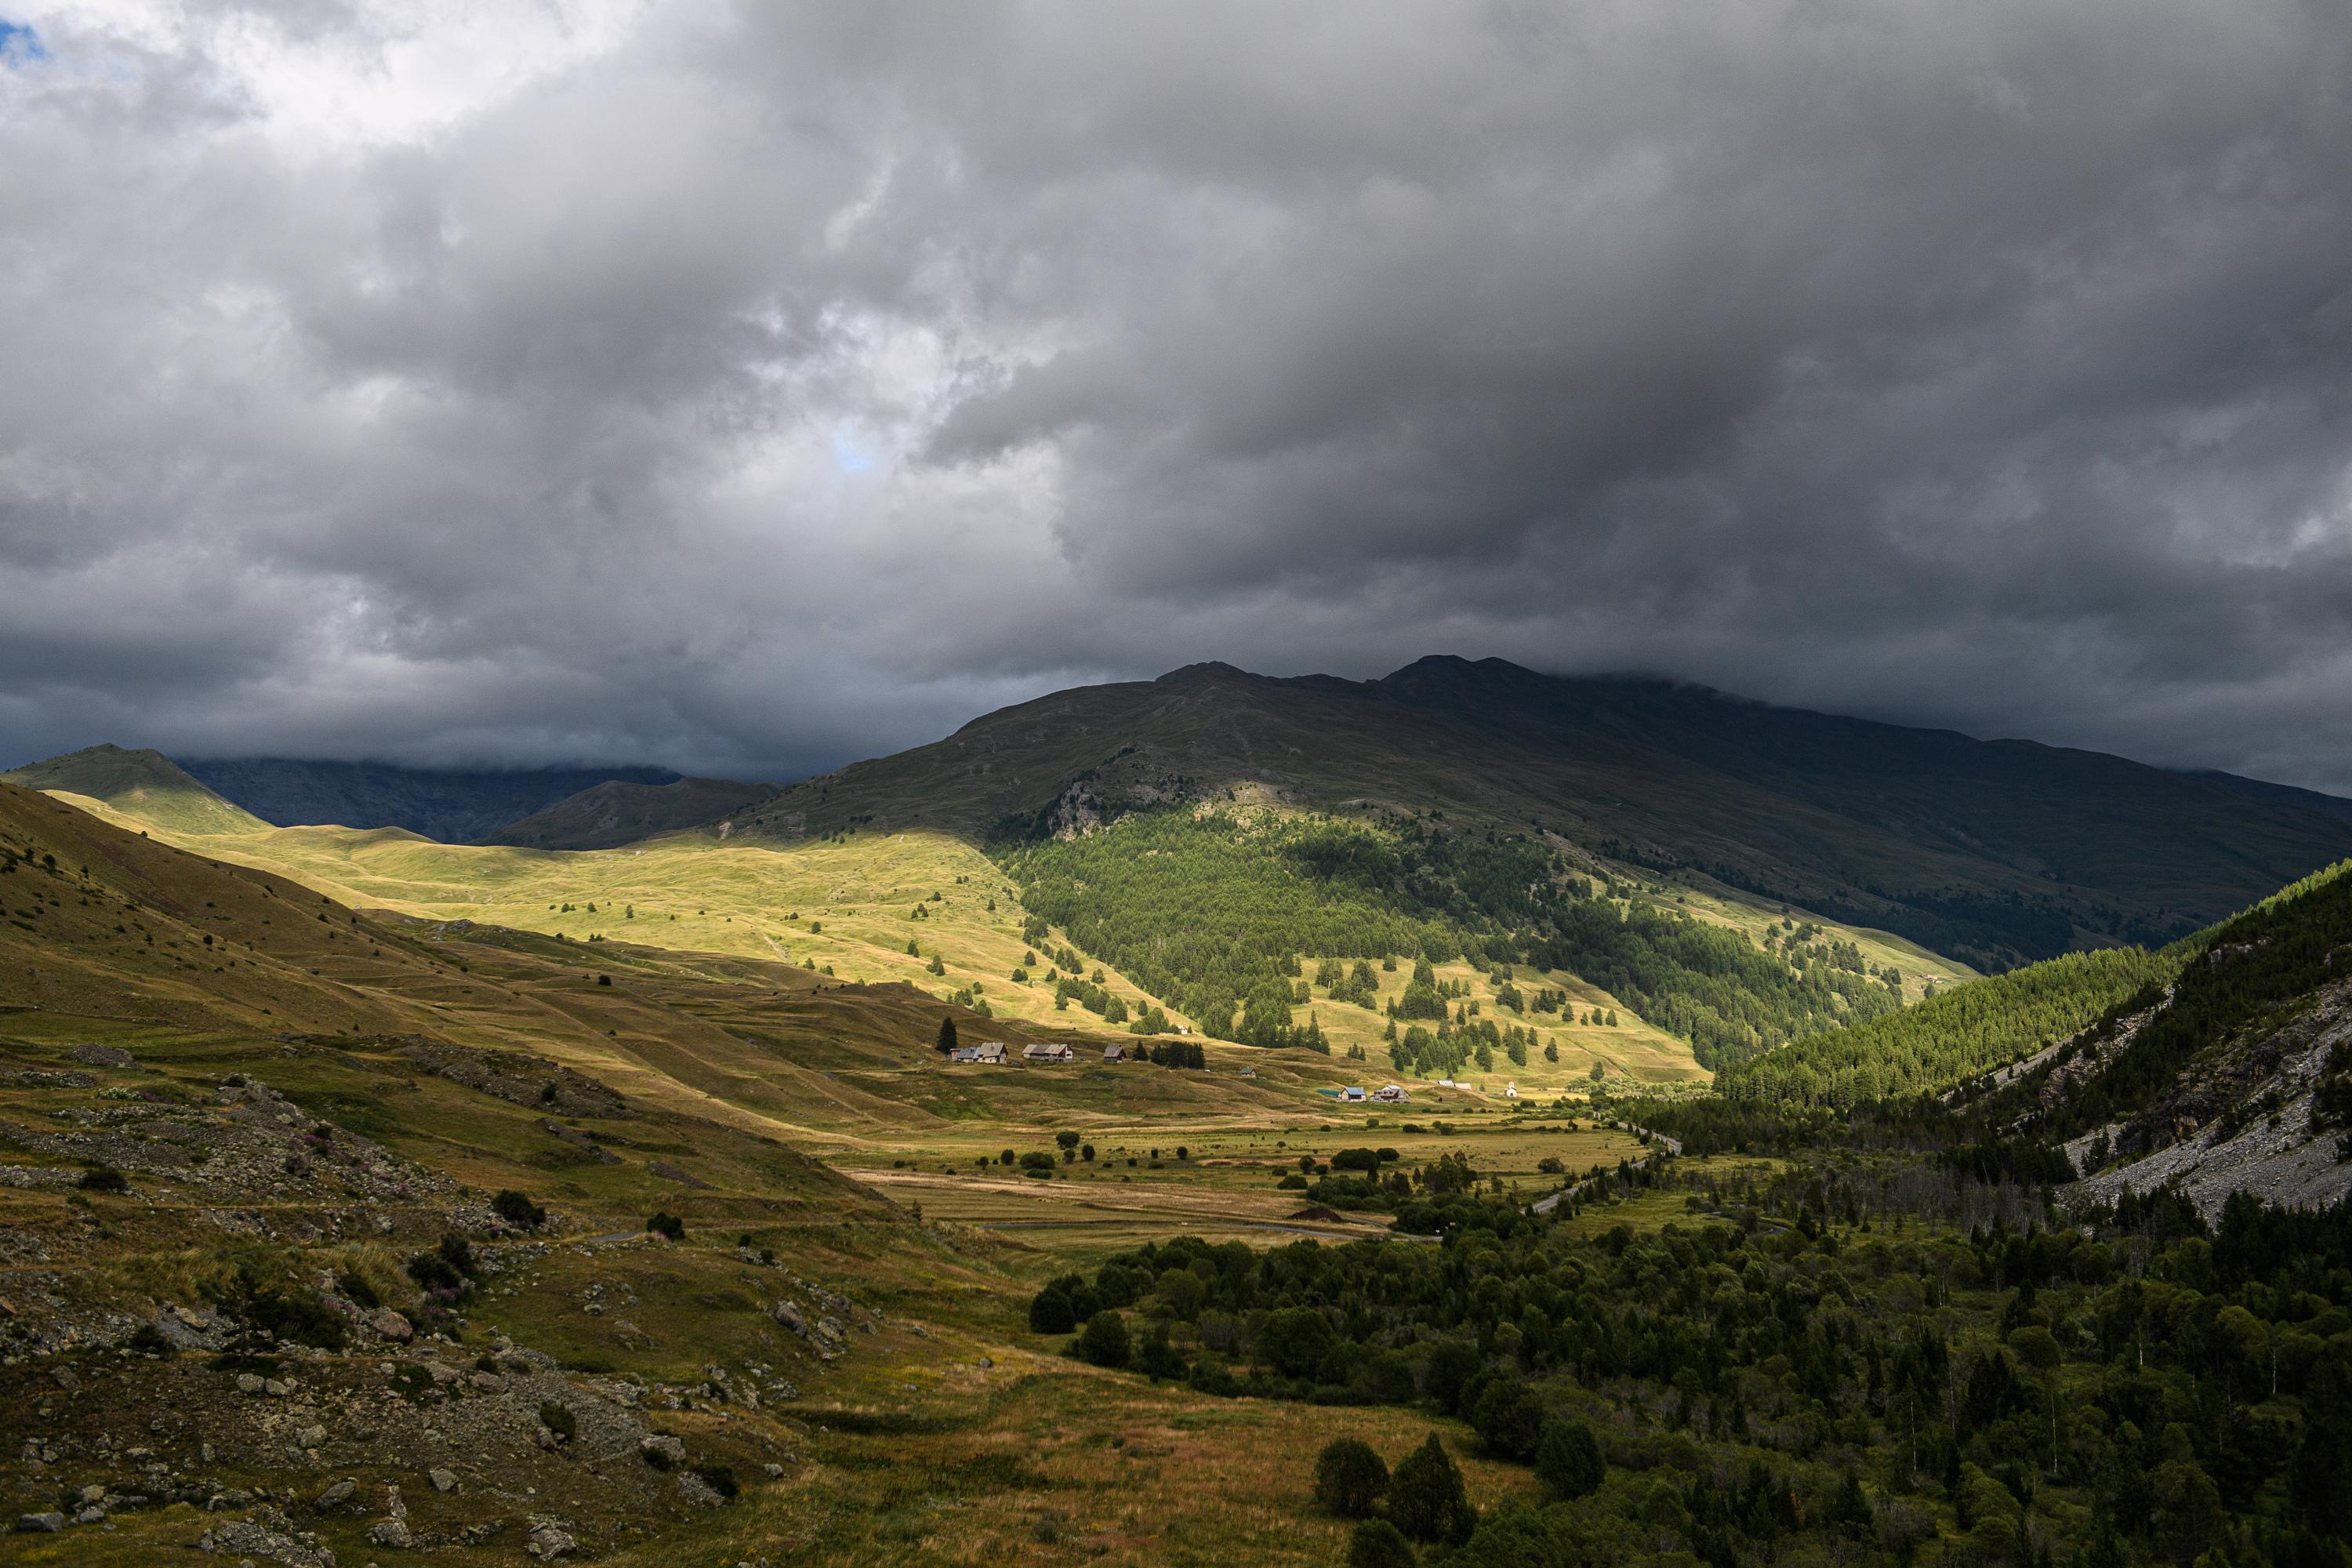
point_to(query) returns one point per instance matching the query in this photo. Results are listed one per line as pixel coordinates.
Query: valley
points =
(368, 1195)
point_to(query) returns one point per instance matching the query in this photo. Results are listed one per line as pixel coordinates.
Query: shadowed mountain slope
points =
(452, 805)
(620, 811)
(1994, 851)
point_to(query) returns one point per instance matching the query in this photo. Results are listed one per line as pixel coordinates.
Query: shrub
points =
(1426, 1499)
(1104, 1340)
(104, 1179)
(719, 1478)
(1350, 1477)
(1295, 1340)
(1050, 1312)
(287, 1313)
(459, 1254)
(559, 1419)
(1510, 1418)
(355, 1289)
(517, 1209)
(1376, 1544)
(148, 1340)
(431, 1272)
(667, 1225)
(1569, 1461)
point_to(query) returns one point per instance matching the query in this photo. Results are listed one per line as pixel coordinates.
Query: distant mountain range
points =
(453, 806)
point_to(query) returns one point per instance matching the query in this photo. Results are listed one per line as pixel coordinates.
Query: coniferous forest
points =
(1215, 910)
(1855, 1361)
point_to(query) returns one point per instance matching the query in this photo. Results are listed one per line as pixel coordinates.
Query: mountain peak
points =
(1211, 669)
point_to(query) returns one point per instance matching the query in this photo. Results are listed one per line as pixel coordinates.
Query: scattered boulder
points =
(311, 1437)
(192, 1329)
(387, 1324)
(268, 1534)
(41, 1523)
(96, 1055)
(391, 1532)
(549, 1541)
(444, 1480)
(335, 1496)
(662, 1451)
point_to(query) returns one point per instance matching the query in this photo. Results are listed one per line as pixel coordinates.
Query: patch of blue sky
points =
(851, 457)
(19, 45)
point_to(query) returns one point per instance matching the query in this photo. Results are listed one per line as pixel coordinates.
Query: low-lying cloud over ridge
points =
(751, 388)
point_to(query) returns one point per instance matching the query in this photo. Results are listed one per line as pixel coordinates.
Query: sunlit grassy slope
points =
(145, 785)
(850, 905)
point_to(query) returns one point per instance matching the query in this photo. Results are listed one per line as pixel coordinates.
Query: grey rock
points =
(443, 1481)
(663, 1444)
(548, 1541)
(95, 1056)
(249, 1383)
(391, 1532)
(41, 1523)
(311, 1437)
(268, 1534)
(277, 1387)
(336, 1496)
(385, 1323)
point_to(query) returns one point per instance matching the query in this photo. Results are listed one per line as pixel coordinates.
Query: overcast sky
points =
(753, 388)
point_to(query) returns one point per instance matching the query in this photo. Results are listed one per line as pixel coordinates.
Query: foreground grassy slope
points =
(320, 1093)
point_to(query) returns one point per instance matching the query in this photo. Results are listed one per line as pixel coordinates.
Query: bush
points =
(459, 1254)
(719, 1478)
(1569, 1461)
(357, 1291)
(287, 1313)
(431, 1272)
(104, 1179)
(1050, 1312)
(517, 1209)
(1104, 1340)
(559, 1419)
(1376, 1544)
(1350, 1477)
(148, 1340)
(1295, 1340)
(1426, 1499)
(1509, 1418)
(667, 1225)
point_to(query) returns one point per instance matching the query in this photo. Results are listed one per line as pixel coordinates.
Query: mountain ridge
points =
(452, 805)
(1996, 851)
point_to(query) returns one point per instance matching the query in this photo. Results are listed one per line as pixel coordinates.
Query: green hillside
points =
(1956, 1036)
(141, 783)
(1215, 909)
(1994, 852)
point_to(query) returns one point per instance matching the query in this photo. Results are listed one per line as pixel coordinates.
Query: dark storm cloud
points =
(749, 389)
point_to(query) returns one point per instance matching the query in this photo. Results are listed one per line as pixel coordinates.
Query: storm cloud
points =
(752, 388)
